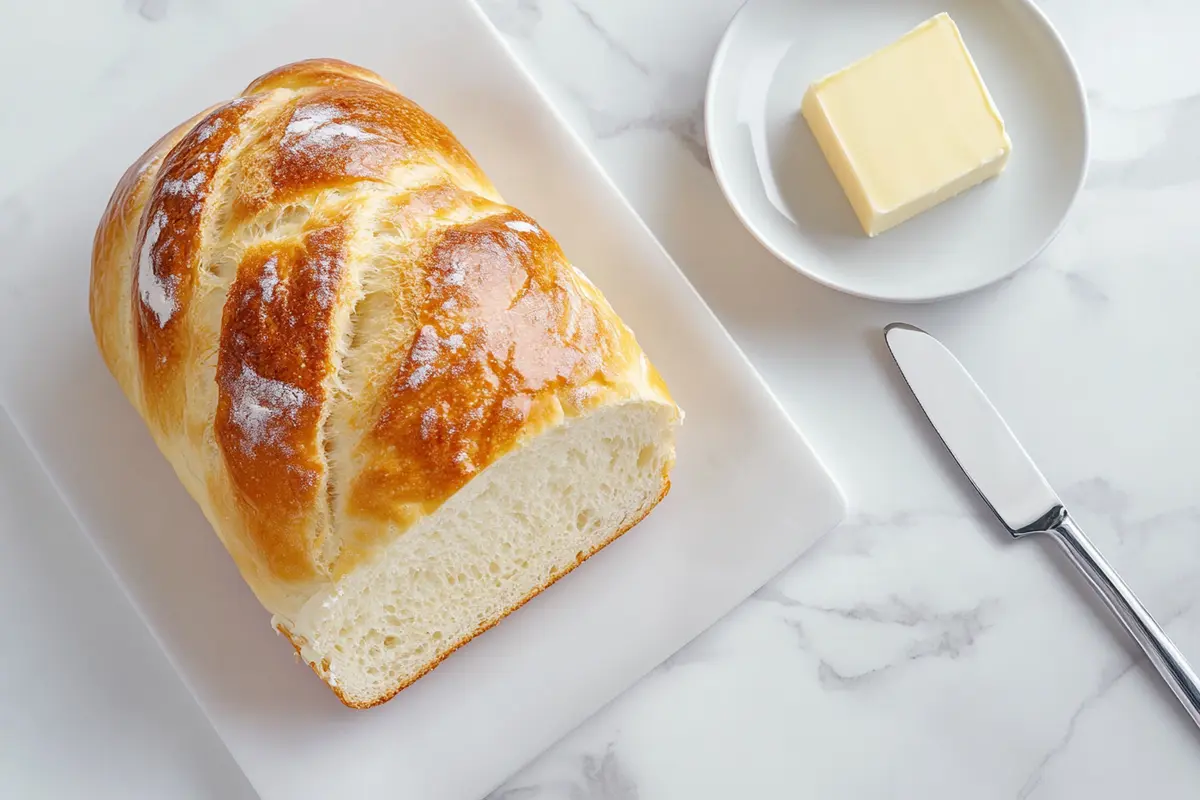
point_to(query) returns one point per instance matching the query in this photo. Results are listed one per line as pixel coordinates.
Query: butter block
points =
(908, 127)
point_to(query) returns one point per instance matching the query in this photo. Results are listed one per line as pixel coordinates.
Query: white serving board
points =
(749, 495)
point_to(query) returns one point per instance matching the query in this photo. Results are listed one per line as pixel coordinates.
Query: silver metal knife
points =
(1008, 480)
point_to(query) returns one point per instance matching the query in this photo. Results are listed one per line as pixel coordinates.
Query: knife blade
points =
(1010, 483)
(974, 432)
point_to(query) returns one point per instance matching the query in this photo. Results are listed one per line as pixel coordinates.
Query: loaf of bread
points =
(401, 408)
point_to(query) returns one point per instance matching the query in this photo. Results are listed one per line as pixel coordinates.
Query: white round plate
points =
(778, 182)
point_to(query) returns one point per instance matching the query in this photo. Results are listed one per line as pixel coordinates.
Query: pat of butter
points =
(909, 126)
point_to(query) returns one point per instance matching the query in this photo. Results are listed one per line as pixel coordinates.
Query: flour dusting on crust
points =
(157, 294)
(269, 279)
(320, 127)
(522, 226)
(263, 408)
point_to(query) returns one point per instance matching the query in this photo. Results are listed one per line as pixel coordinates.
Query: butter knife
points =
(1011, 484)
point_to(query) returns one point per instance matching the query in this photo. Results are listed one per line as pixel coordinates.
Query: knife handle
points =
(1159, 648)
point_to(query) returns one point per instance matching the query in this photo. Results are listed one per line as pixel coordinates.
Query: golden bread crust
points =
(274, 363)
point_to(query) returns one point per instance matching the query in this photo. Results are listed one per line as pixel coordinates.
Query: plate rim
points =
(715, 72)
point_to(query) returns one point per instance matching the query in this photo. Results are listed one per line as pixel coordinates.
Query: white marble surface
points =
(915, 652)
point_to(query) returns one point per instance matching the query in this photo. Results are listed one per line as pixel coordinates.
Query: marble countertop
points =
(915, 652)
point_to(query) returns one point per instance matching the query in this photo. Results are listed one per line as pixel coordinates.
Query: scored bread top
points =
(331, 321)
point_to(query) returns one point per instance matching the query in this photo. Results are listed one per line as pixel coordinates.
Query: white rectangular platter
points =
(749, 496)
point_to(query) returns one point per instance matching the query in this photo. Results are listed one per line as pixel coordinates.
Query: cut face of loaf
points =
(525, 521)
(402, 409)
